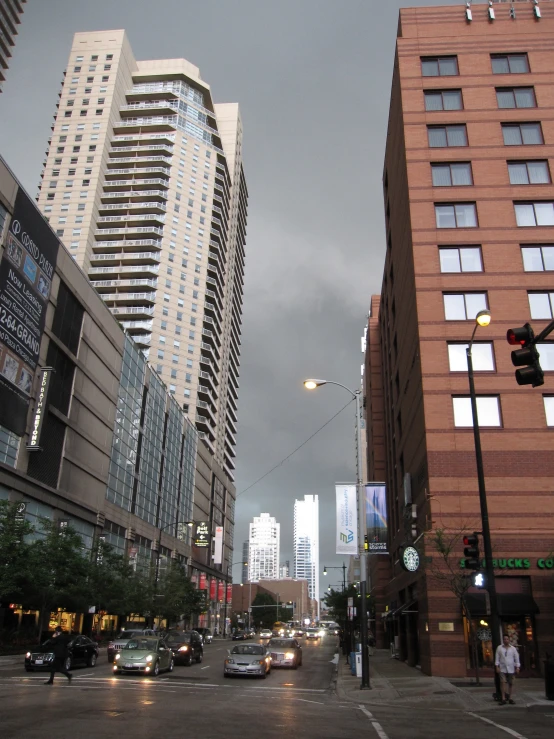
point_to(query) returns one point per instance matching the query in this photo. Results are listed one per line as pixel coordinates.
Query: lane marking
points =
(377, 726)
(305, 700)
(205, 668)
(88, 674)
(498, 726)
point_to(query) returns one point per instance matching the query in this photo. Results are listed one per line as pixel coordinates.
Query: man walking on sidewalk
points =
(507, 665)
(59, 646)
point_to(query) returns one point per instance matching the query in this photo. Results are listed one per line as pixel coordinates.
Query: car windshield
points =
(311, 631)
(178, 636)
(148, 644)
(128, 634)
(287, 643)
(248, 649)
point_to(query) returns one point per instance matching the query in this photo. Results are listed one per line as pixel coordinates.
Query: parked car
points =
(298, 632)
(285, 653)
(124, 637)
(186, 646)
(247, 659)
(82, 651)
(312, 634)
(206, 634)
(265, 634)
(239, 635)
(144, 654)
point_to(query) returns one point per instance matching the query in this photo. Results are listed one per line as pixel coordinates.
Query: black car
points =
(82, 651)
(186, 646)
(239, 635)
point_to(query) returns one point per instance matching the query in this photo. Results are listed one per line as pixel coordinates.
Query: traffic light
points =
(471, 551)
(527, 357)
(366, 543)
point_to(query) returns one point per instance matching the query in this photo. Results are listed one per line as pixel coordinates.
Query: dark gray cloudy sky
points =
(312, 78)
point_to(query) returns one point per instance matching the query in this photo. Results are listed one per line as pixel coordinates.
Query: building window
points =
(488, 411)
(443, 100)
(456, 215)
(534, 214)
(481, 353)
(509, 63)
(461, 259)
(160, 354)
(529, 173)
(175, 358)
(538, 258)
(188, 377)
(463, 306)
(441, 66)
(546, 350)
(549, 409)
(516, 97)
(540, 305)
(173, 374)
(451, 175)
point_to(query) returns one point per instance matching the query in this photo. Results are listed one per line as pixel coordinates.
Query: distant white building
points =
(284, 570)
(264, 548)
(306, 542)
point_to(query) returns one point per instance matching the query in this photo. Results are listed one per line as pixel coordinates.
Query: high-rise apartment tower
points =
(306, 543)
(263, 548)
(10, 18)
(144, 183)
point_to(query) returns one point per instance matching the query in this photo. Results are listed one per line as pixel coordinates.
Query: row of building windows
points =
(447, 66)
(464, 215)
(94, 58)
(506, 97)
(465, 306)
(489, 411)
(535, 258)
(459, 174)
(513, 134)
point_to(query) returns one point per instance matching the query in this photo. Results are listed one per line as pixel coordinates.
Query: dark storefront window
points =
(61, 380)
(45, 465)
(68, 319)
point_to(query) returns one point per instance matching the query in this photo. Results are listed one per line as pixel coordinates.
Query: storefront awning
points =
(509, 604)
(398, 611)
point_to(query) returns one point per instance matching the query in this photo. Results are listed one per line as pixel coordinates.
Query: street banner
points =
(229, 592)
(202, 583)
(376, 516)
(220, 591)
(347, 534)
(212, 589)
(218, 545)
(26, 271)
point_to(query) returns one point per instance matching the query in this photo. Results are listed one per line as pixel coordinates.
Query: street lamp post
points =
(343, 568)
(483, 318)
(311, 384)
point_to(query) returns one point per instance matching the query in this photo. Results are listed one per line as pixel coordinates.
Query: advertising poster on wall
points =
(347, 529)
(376, 516)
(26, 271)
(218, 545)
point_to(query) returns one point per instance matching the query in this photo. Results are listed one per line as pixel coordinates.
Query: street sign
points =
(202, 536)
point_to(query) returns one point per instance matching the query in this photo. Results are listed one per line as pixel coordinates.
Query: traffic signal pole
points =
(487, 545)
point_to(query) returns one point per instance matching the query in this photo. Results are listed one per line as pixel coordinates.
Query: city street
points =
(300, 703)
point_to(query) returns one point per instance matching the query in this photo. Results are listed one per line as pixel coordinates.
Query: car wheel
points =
(156, 670)
(199, 657)
(92, 660)
(67, 664)
(188, 661)
(225, 674)
(171, 665)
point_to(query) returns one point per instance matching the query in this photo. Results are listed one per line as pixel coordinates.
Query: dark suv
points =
(206, 634)
(186, 646)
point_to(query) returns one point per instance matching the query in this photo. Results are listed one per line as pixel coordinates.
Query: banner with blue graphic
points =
(376, 516)
(347, 519)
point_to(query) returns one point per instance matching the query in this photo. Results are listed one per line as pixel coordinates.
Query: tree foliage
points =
(14, 565)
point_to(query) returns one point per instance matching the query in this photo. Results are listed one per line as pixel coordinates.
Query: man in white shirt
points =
(507, 665)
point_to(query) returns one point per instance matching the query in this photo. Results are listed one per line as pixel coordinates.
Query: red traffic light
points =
(471, 540)
(522, 336)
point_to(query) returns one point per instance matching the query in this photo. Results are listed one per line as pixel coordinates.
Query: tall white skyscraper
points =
(306, 542)
(143, 182)
(263, 548)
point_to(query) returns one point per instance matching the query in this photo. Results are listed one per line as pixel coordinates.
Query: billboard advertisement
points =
(218, 545)
(347, 529)
(376, 516)
(26, 271)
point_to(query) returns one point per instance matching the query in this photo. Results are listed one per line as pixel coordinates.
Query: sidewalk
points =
(393, 682)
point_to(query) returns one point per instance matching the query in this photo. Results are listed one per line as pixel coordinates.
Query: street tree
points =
(176, 597)
(266, 611)
(15, 572)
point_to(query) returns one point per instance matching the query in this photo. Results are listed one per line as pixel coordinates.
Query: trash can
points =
(549, 678)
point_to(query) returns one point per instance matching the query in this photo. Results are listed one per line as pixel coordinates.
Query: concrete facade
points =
(415, 382)
(10, 17)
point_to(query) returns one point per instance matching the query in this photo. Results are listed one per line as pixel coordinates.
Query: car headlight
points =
(258, 662)
(184, 648)
(149, 658)
(289, 655)
(28, 655)
(118, 656)
(229, 661)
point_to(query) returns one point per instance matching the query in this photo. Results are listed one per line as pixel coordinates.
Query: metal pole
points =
(156, 577)
(343, 577)
(489, 569)
(249, 601)
(365, 683)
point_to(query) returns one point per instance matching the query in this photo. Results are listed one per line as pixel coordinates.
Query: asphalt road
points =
(198, 701)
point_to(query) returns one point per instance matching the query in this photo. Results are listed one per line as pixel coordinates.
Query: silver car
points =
(115, 646)
(247, 659)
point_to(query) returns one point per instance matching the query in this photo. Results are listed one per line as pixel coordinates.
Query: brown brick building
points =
(469, 206)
